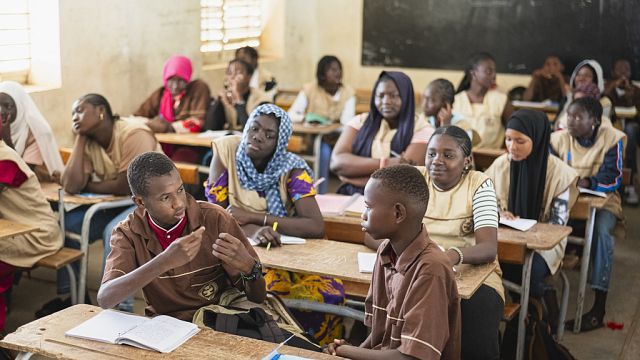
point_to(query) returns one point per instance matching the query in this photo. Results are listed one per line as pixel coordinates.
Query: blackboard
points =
(442, 34)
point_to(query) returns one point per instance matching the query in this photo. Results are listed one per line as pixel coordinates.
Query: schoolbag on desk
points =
(539, 343)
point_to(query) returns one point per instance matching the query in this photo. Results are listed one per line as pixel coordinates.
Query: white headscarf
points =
(598, 73)
(28, 117)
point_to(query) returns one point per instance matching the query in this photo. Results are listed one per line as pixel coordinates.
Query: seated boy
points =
(181, 252)
(412, 307)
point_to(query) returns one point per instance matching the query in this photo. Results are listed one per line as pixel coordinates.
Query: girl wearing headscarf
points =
(28, 132)
(260, 183)
(595, 152)
(587, 79)
(389, 134)
(533, 184)
(484, 107)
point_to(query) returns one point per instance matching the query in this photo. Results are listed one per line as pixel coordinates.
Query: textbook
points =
(335, 204)
(161, 333)
(366, 261)
(519, 224)
(591, 192)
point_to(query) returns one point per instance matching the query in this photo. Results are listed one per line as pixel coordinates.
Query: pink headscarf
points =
(180, 66)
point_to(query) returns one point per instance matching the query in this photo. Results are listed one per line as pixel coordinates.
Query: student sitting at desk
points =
(325, 100)
(389, 133)
(104, 147)
(547, 83)
(486, 109)
(412, 308)
(437, 108)
(29, 133)
(261, 79)
(533, 184)
(595, 152)
(623, 92)
(586, 73)
(182, 253)
(260, 184)
(22, 201)
(237, 101)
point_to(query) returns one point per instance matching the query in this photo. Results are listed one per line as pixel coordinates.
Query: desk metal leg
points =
(84, 238)
(317, 144)
(563, 305)
(584, 268)
(524, 303)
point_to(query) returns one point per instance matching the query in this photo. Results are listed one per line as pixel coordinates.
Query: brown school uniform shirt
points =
(193, 104)
(183, 290)
(413, 303)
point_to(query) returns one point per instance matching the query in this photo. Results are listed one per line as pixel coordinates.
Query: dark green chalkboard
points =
(441, 34)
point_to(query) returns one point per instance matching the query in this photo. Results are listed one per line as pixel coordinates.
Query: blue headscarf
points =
(282, 161)
(406, 118)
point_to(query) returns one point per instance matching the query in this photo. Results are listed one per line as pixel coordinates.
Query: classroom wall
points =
(117, 48)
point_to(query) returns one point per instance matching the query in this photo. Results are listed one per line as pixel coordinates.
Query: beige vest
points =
(485, 118)
(27, 205)
(449, 218)
(225, 148)
(559, 178)
(321, 102)
(256, 97)
(107, 162)
(381, 145)
(587, 161)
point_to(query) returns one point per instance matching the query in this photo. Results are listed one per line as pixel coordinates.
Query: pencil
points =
(275, 227)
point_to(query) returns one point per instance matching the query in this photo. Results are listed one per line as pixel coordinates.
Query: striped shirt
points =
(485, 206)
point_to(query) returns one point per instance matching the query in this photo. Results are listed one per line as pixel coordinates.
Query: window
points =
(15, 42)
(229, 24)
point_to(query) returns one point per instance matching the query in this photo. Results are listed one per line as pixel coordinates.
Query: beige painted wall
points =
(117, 48)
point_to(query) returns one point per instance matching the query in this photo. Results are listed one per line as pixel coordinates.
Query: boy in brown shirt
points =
(412, 307)
(181, 252)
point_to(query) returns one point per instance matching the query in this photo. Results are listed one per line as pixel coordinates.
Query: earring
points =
(101, 116)
(593, 127)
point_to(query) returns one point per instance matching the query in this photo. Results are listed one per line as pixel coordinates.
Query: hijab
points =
(597, 72)
(406, 118)
(29, 119)
(179, 66)
(281, 162)
(527, 177)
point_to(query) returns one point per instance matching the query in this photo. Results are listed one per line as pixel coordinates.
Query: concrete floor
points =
(622, 306)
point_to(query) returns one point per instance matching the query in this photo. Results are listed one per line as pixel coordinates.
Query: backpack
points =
(539, 343)
(271, 321)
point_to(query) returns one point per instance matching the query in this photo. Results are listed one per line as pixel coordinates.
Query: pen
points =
(275, 227)
(394, 154)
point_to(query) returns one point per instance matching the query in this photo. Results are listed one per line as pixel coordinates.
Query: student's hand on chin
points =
(232, 252)
(266, 235)
(184, 249)
(243, 217)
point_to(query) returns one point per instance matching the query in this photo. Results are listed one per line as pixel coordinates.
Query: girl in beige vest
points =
(485, 108)
(595, 152)
(533, 184)
(326, 99)
(22, 201)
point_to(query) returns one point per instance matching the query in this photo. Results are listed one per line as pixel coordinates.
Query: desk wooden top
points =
(534, 105)
(50, 191)
(187, 139)
(305, 128)
(340, 260)
(46, 337)
(580, 210)
(626, 112)
(11, 228)
(540, 237)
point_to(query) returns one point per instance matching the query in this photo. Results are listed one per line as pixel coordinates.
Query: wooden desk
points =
(50, 191)
(10, 228)
(549, 108)
(585, 209)
(46, 337)
(186, 139)
(285, 99)
(626, 112)
(483, 158)
(340, 260)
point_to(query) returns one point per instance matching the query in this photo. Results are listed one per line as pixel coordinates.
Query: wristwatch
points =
(256, 272)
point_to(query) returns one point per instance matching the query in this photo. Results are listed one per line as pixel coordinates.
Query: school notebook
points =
(366, 262)
(356, 208)
(519, 224)
(161, 333)
(334, 204)
(285, 240)
(591, 192)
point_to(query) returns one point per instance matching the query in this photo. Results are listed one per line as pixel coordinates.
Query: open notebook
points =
(161, 333)
(519, 224)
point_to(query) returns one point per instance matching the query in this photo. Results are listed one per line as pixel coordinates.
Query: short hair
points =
(146, 166)
(323, 65)
(591, 106)
(445, 88)
(246, 65)
(405, 180)
(253, 53)
(99, 100)
(458, 135)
